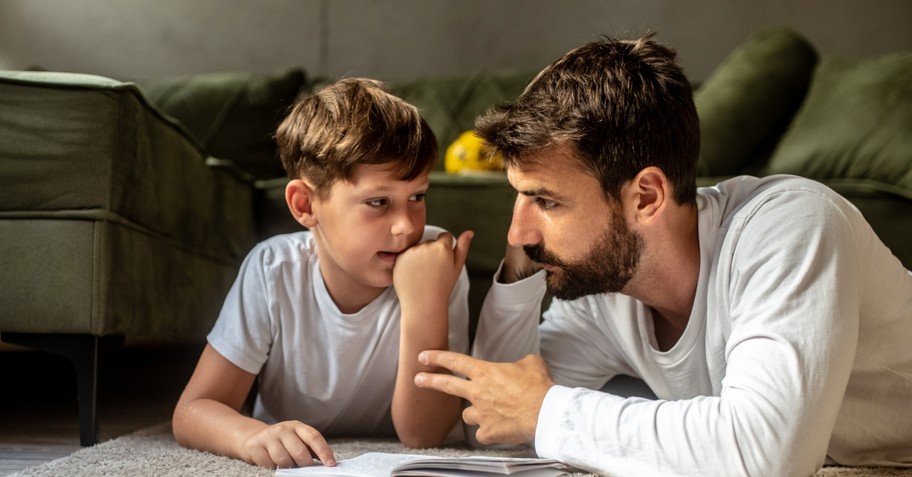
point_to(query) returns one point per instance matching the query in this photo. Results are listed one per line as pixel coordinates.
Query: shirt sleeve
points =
(579, 350)
(242, 334)
(459, 314)
(788, 325)
(508, 321)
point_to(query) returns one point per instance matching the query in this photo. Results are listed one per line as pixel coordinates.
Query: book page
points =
(371, 464)
(381, 464)
(480, 466)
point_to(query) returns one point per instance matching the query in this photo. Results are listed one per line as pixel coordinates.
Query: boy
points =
(313, 314)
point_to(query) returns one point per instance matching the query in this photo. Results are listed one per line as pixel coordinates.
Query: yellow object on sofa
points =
(469, 154)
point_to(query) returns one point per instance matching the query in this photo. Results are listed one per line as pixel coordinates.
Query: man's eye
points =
(376, 202)
(545, 204)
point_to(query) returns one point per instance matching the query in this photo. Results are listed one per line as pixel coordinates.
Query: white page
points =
(371, 464)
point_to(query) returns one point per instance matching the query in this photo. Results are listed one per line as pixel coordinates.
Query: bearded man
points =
(764, 313)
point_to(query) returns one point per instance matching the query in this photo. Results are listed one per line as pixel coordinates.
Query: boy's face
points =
(363, 225)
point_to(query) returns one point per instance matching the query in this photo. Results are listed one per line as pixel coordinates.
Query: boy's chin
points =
(381, 280)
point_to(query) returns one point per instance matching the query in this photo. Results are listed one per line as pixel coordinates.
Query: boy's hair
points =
(350, 122)
(622, 105)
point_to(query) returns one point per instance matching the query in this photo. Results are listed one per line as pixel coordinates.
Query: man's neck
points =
(667, 331)
(669, 282)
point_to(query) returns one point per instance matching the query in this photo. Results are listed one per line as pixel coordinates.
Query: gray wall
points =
(401, 39)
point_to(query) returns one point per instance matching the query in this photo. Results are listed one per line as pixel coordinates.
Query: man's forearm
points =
(508, 322)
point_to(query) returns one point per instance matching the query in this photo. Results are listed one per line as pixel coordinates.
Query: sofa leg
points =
(84, 352)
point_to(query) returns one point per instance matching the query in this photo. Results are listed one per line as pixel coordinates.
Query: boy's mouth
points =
(388, 256)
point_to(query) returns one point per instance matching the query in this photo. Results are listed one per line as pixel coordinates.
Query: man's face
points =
(562, 221)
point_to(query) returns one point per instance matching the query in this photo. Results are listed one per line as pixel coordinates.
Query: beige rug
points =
(154, 452)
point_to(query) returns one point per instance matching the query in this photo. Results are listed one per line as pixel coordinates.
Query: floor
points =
(139, 384)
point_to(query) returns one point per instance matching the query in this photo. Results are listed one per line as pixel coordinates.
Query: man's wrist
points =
(546, 440)
(511, 274)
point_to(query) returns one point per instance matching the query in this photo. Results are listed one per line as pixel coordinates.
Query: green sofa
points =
(127, 206)
(112, 222)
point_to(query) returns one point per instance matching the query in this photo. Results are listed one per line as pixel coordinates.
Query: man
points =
(765, 314)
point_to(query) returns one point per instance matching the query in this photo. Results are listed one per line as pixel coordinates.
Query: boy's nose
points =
(403, 224)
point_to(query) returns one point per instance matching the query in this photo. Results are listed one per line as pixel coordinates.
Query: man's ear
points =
(647, 193)
(300, 196)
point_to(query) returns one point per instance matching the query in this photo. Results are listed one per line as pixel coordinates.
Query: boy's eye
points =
(376, 202)
(418, 197)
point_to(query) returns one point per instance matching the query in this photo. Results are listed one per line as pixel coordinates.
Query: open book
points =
(380, 464)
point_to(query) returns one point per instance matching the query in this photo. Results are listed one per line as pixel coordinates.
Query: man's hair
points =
(350, 122)
(621, 105)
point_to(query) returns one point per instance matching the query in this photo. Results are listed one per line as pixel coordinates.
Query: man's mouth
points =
(539, 255)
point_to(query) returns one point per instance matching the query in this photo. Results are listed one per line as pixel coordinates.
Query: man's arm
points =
(508, 321)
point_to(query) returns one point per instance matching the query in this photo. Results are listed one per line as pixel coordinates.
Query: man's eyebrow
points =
(539, 192)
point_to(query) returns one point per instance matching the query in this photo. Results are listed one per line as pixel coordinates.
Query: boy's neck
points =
(349, 297)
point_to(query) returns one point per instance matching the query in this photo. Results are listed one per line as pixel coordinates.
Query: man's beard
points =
(607, 267)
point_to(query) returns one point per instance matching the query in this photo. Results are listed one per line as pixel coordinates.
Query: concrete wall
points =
(401, 39)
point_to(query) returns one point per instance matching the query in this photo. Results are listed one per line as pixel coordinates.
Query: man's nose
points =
(523, 230)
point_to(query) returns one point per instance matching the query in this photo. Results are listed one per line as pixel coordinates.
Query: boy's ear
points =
(300, 195)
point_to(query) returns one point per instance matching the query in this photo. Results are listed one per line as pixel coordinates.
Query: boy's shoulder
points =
(280, 248)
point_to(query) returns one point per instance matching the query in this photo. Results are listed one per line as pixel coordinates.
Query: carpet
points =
(154, 451)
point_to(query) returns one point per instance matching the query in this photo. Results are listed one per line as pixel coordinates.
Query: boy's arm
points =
(207, 417)
(424, 277)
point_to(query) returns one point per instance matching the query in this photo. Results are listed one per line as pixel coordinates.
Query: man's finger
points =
(470, 416)
(445, 383)
(456, 362)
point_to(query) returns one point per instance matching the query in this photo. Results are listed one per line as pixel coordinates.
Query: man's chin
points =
(562, 289)
(557, 288)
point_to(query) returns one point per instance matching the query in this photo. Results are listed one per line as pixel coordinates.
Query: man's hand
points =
(288, 444)
(506, 397)
(425, 274)
(517, 265)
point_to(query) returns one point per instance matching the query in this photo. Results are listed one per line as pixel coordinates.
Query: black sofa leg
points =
(85, 353)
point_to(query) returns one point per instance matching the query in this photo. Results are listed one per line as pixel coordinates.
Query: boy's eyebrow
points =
(384, 188)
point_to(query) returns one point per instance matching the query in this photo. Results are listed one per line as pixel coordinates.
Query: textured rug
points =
(154, 451)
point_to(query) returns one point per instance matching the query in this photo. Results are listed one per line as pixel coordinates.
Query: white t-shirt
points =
(333, 371)
(799, 347)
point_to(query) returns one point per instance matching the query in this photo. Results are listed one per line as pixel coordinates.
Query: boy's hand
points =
(425, 274)
(288, 444)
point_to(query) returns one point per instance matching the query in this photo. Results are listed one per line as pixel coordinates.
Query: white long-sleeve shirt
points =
(798, 348)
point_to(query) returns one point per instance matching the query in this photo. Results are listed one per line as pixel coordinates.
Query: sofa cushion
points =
(450, 105)
(232, 115)
(83, 147)
(887, 213)
(855, 124)
(750, 98)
